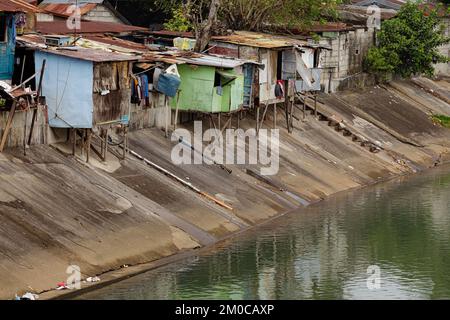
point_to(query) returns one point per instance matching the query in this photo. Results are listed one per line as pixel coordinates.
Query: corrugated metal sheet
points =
(262, 40)
(86, 27)
(60, 9)
(67, 86)
(17, 6)
(94, 55)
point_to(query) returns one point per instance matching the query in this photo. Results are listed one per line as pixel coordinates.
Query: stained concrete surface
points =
(57, 211)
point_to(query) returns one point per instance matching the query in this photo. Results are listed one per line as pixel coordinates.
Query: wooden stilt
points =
(287, 107)
(238, 119)
(88, 144)
(25, 131)
(8, 126)
(106, 145)
(263, 118)
(33, 120)
(74, 141)
(175, 122)
(83, 142)
(167, 116)
(315, 105)
(304, 107)
(257, 120)
(275, 116)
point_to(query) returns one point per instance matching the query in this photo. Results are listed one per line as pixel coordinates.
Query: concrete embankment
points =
(57, 211)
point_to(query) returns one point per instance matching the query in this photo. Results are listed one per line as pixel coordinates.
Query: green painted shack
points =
(209, 89)
(211, 84)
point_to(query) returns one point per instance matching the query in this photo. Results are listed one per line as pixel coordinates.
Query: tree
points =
(208, 16)
(255, 15)
(203, 17)
(408, 44)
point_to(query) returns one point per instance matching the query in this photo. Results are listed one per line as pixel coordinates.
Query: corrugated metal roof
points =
(90, 54)
(86, 27)
(60, 9)
(263, 40)
(17, 6)
(103, 48)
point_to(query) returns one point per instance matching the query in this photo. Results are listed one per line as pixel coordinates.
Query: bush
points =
(408, 44)
(178, 22)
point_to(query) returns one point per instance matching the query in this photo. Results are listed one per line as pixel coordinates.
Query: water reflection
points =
(323, 252)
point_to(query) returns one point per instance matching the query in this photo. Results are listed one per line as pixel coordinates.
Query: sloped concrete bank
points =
(56, 211)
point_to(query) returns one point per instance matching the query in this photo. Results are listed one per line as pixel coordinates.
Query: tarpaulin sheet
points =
(68, 88)
(168, 84)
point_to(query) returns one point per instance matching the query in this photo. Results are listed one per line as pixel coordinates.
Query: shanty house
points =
(90, 10)
(7, 44)
(211, 84)
(276, 55)
(85, 88)
(13, 18)
(282, 59)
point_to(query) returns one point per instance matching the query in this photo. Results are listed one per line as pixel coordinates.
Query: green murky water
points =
(323, 252)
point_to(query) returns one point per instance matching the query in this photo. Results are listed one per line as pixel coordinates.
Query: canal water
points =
(388, 241)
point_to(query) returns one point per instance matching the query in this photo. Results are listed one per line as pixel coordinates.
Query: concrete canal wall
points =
(56, 210)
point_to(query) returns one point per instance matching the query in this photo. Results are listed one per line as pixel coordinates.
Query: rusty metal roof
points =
(61, 9)
(263, 40)
(17, 6)
(60, 26)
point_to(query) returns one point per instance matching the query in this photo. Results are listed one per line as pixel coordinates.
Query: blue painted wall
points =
(68, 89)
(7, 49)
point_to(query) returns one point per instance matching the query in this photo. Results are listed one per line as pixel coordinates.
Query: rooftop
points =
(77, 52)
(263, 40)
(17, 6)
(86, 27)
(102, 48)
(61, 9)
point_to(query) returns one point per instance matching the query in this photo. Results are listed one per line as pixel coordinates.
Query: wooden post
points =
(74, 141)
(88, 144)
(286, 106)
(262, 120)
(167, 116)
(304, 106)
(8, 126)
(291, 120)
(25, 133)
(83, 142)
(315, 105)
(239, 119)
(275, 116)
(257, 120)
(33, 120)
(176, 112)
(23, 68)
(106, 144)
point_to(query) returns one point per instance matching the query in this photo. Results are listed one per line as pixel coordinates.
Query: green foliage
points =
(441, 120)
(258, 14)
(179, 22)
(408, 44)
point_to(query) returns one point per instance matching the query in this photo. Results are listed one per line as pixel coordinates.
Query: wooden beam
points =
(8, 126)
(33, 120)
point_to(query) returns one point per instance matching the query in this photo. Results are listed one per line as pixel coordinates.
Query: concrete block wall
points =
(22, 122)
(345, 59)
(154, 115)
(444, 68)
